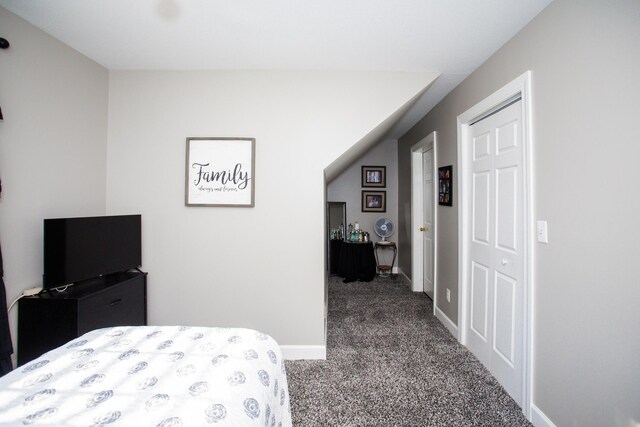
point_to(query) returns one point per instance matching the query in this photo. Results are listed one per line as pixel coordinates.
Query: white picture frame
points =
(220, 172)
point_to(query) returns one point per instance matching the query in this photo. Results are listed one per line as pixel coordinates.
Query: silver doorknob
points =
(504, 261)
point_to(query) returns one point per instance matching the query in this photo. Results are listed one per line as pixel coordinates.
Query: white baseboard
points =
(308, 352)
(401, 273)
(539, 419)
(447, 322)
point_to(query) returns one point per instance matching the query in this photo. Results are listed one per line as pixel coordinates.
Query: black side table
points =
(335, 245)
(357, 262)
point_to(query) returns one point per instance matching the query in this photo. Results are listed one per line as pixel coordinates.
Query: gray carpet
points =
(390, 362)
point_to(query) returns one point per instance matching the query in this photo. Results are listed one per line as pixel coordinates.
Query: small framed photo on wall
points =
(374, 176)
(374, 201)
(445, 186)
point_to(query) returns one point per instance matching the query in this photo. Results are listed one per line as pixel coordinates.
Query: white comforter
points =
(152, 376)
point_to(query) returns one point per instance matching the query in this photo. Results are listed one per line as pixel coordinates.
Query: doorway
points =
(423, 216)
(495, 236)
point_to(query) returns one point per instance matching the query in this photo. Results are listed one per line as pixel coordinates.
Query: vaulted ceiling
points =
(451, 37)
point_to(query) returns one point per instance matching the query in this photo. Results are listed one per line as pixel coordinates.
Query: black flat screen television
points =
(77, 249)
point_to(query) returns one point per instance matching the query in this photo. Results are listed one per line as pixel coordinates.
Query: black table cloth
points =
(357, 262)
(334, 255)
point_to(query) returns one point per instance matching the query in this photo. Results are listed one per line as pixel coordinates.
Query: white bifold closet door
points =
(495, 321)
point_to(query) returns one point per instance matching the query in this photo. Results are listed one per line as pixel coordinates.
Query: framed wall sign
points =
(374, 201)
(445, 188)
(220, 172)
(374, 176)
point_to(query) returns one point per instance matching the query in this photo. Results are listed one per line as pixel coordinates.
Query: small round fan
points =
(383, 228)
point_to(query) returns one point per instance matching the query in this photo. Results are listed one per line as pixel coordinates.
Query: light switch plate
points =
(543, 236)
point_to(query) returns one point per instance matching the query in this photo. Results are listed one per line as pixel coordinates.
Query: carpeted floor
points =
(390, 362)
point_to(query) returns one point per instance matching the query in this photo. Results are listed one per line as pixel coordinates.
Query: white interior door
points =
(428, 231)
(496, 246)
(423, 256)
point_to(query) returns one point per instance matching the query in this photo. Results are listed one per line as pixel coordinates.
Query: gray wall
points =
(261, 267)
(80, 140)
(53, 145)
(347, 187)
(585, 57)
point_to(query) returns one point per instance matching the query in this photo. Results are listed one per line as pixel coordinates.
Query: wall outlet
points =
(448, 295)
(542, 234)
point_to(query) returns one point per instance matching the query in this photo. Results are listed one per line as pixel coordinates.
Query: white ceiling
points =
(452, 37)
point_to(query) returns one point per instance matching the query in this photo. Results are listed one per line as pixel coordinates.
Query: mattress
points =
(152, 376)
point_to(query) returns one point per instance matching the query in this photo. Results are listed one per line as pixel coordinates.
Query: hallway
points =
(391, 362)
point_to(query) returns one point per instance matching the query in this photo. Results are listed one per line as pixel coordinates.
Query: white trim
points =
(522, 86)
(304, 352)
(417, 211)
(435, 222)
(452, 327)
(539, 419)
(401, 272)
(530, 229)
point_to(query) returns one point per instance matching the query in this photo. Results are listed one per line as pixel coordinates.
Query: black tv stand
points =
(94, 282)
(50, 319)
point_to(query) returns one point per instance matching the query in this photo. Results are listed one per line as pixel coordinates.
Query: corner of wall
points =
(539, 419)
(446, 321)
(304, 352)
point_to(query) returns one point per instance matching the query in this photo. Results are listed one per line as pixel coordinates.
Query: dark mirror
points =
(336, 231)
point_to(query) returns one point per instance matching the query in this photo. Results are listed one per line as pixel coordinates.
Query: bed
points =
(152, 376)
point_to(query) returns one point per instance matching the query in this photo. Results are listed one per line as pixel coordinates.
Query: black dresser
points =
(50, 319)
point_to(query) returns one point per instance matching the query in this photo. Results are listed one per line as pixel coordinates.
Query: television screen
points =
(77, 249)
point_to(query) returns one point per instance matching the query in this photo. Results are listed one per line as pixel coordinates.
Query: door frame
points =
(520, 86)
(417, 214)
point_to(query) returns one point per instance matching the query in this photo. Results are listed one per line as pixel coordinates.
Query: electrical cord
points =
(36, 290)
(26, 293)
(14, 303)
